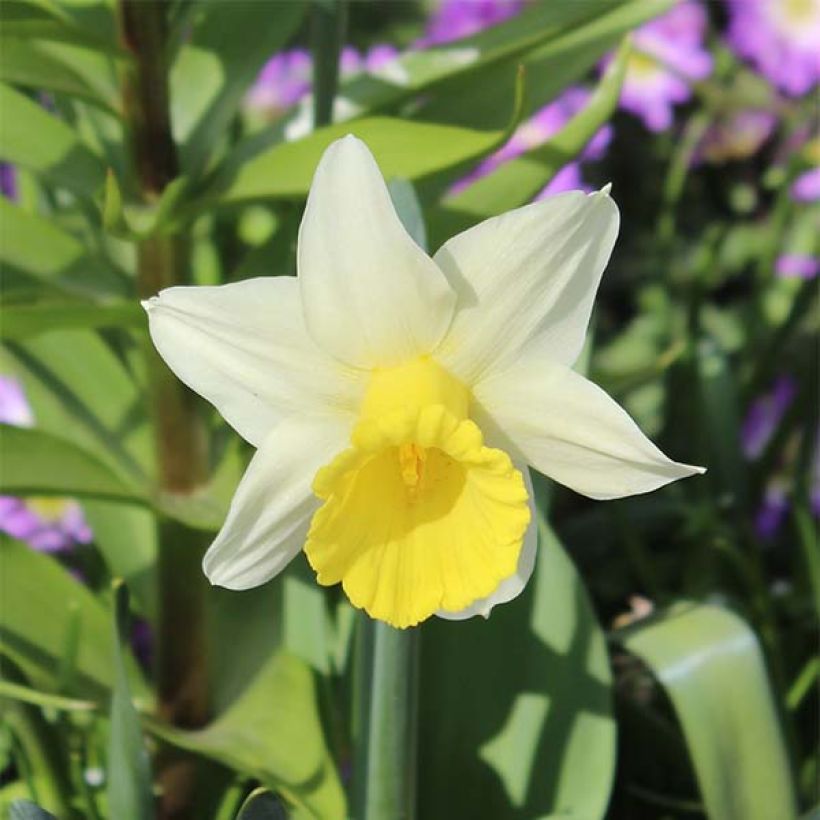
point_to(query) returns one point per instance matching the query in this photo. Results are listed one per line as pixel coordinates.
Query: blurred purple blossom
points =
(669, 55)
(283, 81)
(737, 136)
(806, 188)
(781, 38)
(454, 19)
(543, 125)
(764, 417)
(287, 77)
(797, 266)
(8, 181)
(773, 509)
(47, 524)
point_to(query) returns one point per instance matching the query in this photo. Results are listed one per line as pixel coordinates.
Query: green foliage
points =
(271, 732)
(129, 772)
(537, 736)
(710, 663)
(541, 711)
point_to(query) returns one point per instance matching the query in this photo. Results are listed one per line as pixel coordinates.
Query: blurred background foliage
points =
(662, 662)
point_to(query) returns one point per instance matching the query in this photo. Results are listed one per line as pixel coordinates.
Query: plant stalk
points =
(179, 433)
(385, 722)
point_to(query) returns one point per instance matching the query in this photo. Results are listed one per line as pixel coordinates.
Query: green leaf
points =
(36, 247)
(479, 97)
(721, 422)
(39, 463)
(272, 732)
(57, 154)
(710, 663)
(403, 148)
(229, 44)
(26, 810)
(23, 321)
(519, 180)
(80, 390)
(28, 63)
(129, 773)
(537, 740)
(127, 539)
(44, 20)
(35, 617)
(426, 71)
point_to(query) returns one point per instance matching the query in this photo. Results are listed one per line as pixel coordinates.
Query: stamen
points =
(411, 463)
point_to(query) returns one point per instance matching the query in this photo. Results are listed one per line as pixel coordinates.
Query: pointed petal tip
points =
(149, 304)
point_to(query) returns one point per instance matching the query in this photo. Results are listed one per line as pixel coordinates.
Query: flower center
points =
(418, 514)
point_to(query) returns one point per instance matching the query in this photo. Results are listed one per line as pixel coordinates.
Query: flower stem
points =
(385, 721)
(328, 26)
(179, 435)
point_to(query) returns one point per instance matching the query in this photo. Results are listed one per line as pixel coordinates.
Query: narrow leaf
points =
(39, 463)
(24, 321)
(57, 155)
(129, 773)
(710, 663)
(271, 732)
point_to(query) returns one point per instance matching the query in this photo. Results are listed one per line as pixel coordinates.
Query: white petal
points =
(271, 510)
(510, 587)
(532, 272)
(244, 348)
(371, 296)
(572, 431)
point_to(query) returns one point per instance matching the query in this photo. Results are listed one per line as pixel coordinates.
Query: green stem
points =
(180, 441)
(328, 25)
(384, 776)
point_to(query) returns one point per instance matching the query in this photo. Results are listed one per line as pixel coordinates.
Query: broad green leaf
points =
(35, 247)
(45, 20)
(272, 733)
(26, 810)
(229, 44)
(129, 773)
(80, 390)
(478, 98)
(519, 180)
(425, 71)
(711, 665)
(27, 63)
(39, 463)
(403, 148)
(23, 321)
(516, 711)
(57, 154)
(126, 537)
(34, 617)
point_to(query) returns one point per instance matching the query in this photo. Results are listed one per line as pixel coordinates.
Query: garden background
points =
(661, 663)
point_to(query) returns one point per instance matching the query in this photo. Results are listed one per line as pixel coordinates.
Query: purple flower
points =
(773, 509)
(454, 19)
(8, 181)
(283, 81)
(780, 38)
(806, 188)
(736, 136)
(375, 60)
(14, 408)
(797, 266)
(543, 125)
(669, 55)
(47, 524)
(765, 415)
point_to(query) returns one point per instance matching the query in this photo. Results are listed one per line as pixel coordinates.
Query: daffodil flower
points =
(396, 400)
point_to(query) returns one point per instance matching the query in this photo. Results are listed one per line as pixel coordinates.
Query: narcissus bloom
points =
(396, 400)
